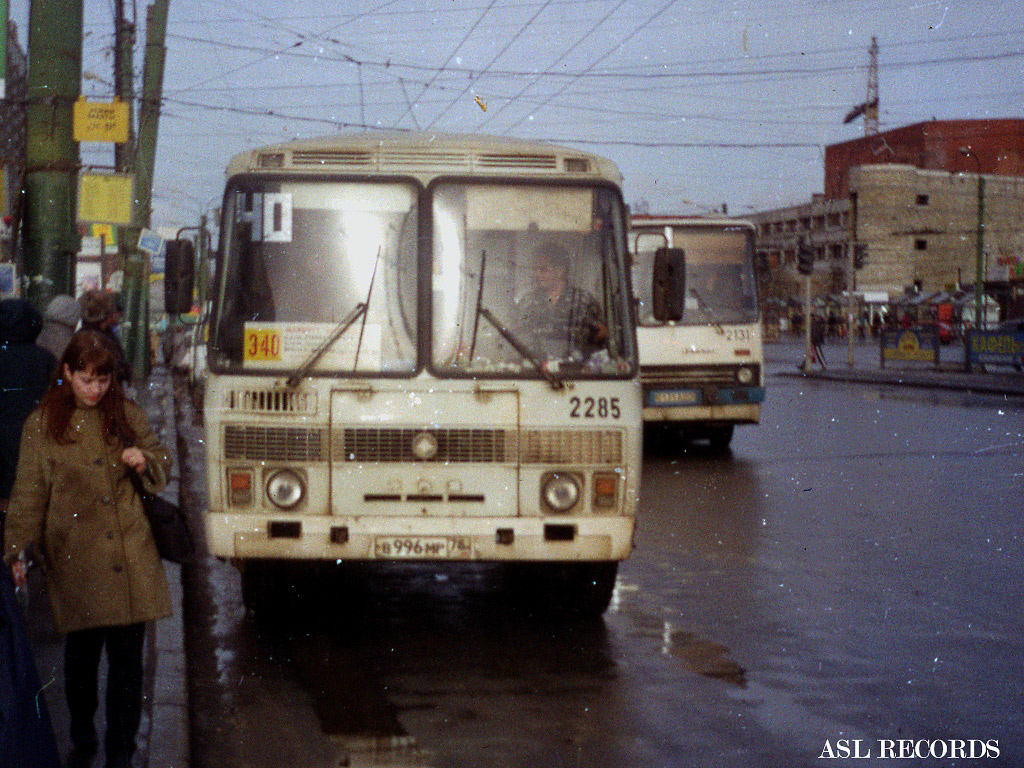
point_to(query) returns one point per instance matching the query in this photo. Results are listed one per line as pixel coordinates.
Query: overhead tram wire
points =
(504, 105)
(496, 56)
(605, 55)
(451, 56)
(268, 55)
(587, 74)
(569, 140)
(557, 140)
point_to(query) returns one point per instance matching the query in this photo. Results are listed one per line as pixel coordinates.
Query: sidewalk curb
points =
(962, 382)
(166, 745)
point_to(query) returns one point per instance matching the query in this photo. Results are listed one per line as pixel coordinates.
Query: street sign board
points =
(100, 121)
(104, 232)
(105, 197)
(995, 347)
(151, 242)
(919, 345)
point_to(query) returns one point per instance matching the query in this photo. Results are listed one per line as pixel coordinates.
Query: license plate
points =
(679, 397)
(422, 547)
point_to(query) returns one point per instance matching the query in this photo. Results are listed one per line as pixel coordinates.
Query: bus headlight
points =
(560, 491)
(745, 375)
(285, 488)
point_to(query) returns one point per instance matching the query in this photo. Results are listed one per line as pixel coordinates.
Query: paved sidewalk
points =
(163, 735)
(997, 380)
(165, 743)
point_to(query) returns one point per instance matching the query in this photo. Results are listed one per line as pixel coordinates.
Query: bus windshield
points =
(318, 267)
(720, 285)
(528, 278)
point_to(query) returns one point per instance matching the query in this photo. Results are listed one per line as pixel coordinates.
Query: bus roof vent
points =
(577, 165)
(510, 160)
(418, 159)
(270, 401)
(308, 158)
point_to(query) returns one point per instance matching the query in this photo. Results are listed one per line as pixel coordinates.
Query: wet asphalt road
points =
(850, 570)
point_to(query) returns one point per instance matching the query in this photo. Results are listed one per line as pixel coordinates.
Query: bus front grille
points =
(674, 376)
(484, 446)
(270, 401)
(369, 444)
(570, 446)
(273, 443)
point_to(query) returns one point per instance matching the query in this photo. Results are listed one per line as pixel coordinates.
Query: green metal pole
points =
(149, 110)
(136, 272)
(51, 156)
(124, 86)
(980, 307)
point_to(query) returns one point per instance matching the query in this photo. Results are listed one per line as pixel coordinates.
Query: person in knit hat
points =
(59, 322)
(102, 312)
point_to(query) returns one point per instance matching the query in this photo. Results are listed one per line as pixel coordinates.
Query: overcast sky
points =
(699, 103)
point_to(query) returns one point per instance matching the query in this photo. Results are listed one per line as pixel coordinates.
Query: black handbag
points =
(170, 527)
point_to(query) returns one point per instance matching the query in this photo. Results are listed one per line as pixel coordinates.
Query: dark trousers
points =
(82, 651)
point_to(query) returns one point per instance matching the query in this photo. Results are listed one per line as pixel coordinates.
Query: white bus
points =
(699, 330)
(382, 382)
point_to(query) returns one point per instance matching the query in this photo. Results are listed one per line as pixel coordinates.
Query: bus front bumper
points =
(749, 413)
(322, 537)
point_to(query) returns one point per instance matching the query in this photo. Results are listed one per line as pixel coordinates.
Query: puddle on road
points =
(703, 657)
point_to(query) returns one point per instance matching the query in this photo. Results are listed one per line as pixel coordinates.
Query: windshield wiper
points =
(339, 330)
(344, 325)
(366, 305)
(522, 349)
(703, 307)
(479, 304)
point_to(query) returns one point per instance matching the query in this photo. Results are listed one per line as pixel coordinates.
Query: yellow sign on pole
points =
(100, 121)
(104, 232)
(105, 198)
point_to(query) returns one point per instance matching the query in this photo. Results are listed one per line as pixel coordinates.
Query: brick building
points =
(910, 196)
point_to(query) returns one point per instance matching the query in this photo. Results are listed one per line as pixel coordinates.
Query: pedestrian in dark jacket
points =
(26, 735)
(818, 340)
(73, 500)
(59, 322)
(25, 371)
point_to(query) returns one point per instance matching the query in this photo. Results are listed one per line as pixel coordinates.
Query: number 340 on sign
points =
(262, 345)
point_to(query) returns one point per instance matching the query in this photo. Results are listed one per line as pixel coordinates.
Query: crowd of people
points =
(71, 436)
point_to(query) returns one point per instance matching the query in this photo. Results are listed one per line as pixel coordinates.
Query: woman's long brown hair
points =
(91, 351)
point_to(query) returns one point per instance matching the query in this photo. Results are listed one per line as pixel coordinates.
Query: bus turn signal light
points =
(240, 487)
(606, 489)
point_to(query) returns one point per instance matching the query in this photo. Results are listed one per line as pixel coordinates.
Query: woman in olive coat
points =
(73, 501)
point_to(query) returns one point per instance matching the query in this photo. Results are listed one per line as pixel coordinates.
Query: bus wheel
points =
(720, 437)
(575, 590)
(590, 587)
(259, 588)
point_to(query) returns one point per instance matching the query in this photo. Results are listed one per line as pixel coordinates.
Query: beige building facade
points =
(899, 217)
(918, 229)
(921, 227)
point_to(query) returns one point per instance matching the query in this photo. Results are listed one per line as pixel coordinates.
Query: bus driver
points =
(559, 320)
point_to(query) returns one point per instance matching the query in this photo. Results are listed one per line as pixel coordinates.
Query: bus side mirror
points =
(179, 275)
(668, 295)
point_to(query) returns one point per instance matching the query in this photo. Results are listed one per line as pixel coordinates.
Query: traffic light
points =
(860, 251)
(805, 259)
